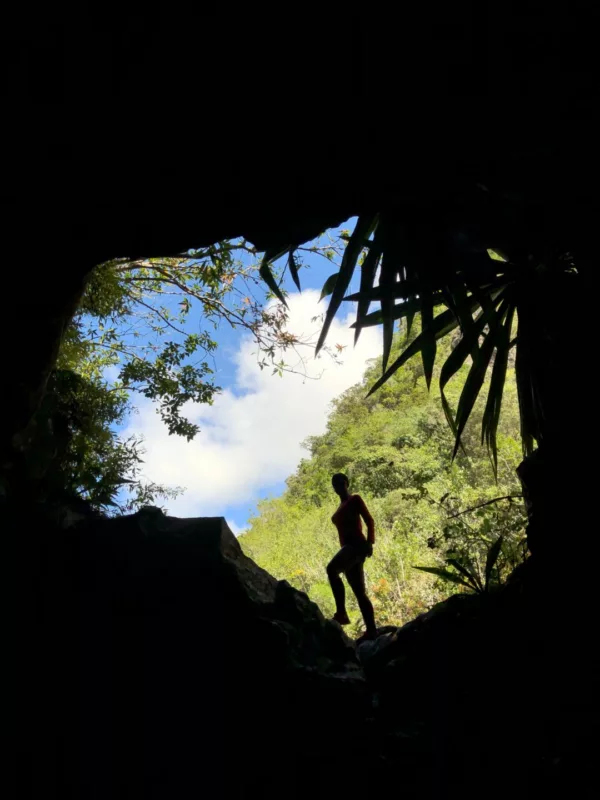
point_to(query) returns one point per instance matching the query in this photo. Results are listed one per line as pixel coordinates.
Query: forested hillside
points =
(396, 448)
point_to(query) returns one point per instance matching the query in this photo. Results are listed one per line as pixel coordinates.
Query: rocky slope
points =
(171, 663)
(156, 660)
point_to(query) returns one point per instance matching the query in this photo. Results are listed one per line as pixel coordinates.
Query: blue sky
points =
(250, 438)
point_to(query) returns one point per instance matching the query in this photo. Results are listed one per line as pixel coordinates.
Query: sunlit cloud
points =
(251, 436)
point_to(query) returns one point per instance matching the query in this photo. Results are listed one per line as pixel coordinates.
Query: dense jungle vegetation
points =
(396, 448)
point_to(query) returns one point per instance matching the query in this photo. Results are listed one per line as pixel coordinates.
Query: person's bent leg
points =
(356, 579)
(336, 566)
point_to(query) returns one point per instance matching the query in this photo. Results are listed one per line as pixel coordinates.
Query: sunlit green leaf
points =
(329, 286)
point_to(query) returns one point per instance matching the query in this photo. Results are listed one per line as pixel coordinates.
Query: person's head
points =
(340, 483)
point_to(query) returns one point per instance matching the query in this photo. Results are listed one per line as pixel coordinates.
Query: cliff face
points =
(156, 660)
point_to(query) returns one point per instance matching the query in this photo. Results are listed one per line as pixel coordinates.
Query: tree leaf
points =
(491, 414)
(468, 345)
(461, 303)
(523, 372)
(367, 276)
(411, 287)
(267, 276)
(401, 290)
(406, 309)
(472, 577)
(387, 281)
(445, 574)
(329, 286)
(491, 559)
(364, 228)
(409, 323)
(293, 268)
(275, 253)
(476, 375)
(443, 324)
(428, 348)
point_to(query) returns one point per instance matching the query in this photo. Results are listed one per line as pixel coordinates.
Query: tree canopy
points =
(148, 328)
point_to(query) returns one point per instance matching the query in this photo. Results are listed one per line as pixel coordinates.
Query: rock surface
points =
(156, 660)
(176, 667)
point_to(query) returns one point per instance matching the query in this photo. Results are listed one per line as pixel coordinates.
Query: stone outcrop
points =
(170, 665)
(156, 660)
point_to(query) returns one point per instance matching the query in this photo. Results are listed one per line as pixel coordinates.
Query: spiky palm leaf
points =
(423, 267)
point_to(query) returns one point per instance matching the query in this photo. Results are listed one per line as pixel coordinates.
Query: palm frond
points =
(477, 373)
(446, 575)
(441, 325)
(406, 309)
(364, 228)
(420, 263)
(265, 271)
(429, 347)
(293, 268)
(367, 277)
(491, 414)
(470, 574)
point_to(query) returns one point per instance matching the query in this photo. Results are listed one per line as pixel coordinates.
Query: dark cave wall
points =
(112, 151)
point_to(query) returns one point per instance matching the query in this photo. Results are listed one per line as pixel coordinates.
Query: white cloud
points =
(250, 438)
(235, 529)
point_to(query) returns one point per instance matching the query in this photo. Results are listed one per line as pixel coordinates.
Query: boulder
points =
(163, 662)
(156, 660)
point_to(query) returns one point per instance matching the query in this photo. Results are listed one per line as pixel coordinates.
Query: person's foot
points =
(368, 636)
(341, 617)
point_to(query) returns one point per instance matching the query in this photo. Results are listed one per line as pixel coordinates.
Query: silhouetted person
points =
(351, 558)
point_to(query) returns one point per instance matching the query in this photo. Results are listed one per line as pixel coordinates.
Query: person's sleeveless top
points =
(348, 522)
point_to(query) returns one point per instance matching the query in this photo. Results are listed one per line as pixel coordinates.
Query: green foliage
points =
(134, 315)
(470, 543)
(329, 286)
(467, 570)
(132, 336)
(488, 273)
(75, 453)
(396, 448)
(132, 318)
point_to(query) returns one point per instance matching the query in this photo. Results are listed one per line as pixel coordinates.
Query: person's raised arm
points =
(369, 522)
